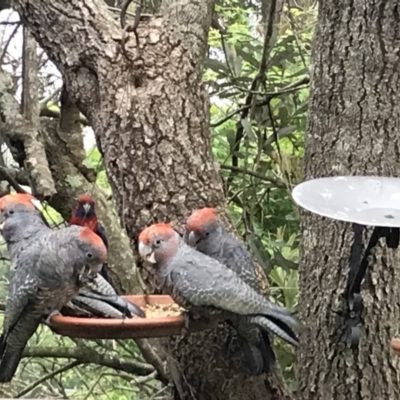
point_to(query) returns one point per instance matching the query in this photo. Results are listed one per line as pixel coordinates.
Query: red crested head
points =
(163, 230)
(85, 199)
(18, 198)
(84, 213)
(158, 243)
(201, 218)
(88, 236)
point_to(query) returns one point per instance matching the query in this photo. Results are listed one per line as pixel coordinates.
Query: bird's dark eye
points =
(207, 233)
(89, 255)
(158, 242)
(11, 211)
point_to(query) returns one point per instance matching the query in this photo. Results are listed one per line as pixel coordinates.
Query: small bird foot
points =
(50, 316)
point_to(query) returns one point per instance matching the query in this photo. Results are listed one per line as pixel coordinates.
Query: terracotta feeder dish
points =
(157, 323)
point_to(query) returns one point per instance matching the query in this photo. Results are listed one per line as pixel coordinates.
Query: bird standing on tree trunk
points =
(84, 214)
(204, 286)
(48, 273)
(205, 232)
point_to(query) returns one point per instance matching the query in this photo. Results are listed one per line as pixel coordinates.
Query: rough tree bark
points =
(354, 120)
(149, 111)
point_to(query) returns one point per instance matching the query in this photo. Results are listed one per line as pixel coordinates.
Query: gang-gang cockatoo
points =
(204, 286)
(205, 232)
(48, 273)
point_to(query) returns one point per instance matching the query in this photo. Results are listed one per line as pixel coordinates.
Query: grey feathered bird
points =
(19, 236)
(205, 232)
(97, 298)
(48, 274)
(202, 285)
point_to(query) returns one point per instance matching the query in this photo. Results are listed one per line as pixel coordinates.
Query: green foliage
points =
(94, 161)
(260, 147)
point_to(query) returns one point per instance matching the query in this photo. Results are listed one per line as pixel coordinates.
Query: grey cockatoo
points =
(50, 272)
(18, 237)
(204, 286)
(97, 298)
(205, 232)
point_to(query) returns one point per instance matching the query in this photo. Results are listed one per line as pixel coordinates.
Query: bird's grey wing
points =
(236, 257)
(95, 307)
(99, 285)
(101, 291)
(22, 290)
(203, 281)
(206, 282)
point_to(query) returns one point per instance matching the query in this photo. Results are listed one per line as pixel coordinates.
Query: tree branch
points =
(268, 96)
(18, 175)
(47, 112)
(6, 175)
(86, 355)
(15, 127)
(254, 87)
(50, 375)
(273, 181)
(31, 109)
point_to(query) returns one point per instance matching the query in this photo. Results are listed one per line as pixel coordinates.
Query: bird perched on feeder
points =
(204, 286)
(96, 298)
(48, 274)
(205, 232)
(84, 214)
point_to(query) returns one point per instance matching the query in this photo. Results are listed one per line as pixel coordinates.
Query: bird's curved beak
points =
(2, 221)
(95, 269)
(87, 207)
(192, 239)
(147, 253)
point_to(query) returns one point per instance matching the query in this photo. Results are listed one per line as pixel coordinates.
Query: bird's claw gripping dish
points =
(54, 313)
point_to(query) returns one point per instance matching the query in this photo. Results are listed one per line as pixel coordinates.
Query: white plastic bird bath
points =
(362, 200)
(365, 200)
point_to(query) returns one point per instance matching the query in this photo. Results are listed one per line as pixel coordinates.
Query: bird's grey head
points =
(203, 229)
(158, 243)
(20, 222)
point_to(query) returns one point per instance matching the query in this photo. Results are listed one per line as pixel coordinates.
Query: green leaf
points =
(257, 249)
(216, 66)
(248, 129)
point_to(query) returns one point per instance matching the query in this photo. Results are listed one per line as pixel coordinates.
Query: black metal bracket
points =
(358, 269)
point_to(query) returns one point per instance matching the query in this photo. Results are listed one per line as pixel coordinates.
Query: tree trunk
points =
(150, 113)
(354, 120)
